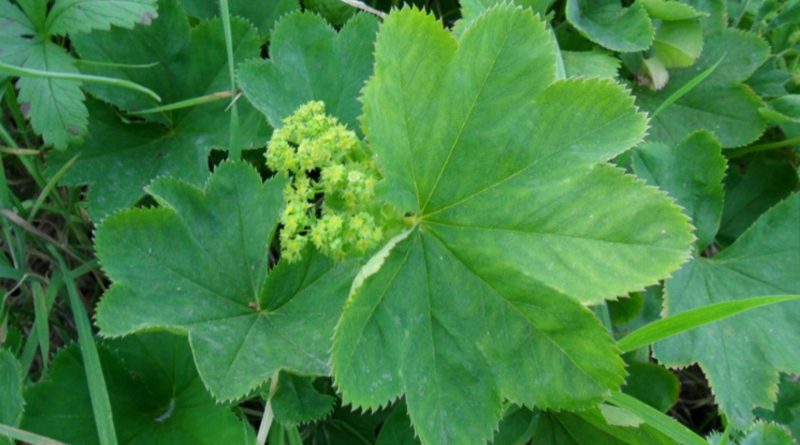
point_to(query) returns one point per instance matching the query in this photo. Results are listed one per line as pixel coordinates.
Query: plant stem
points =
(268, 417)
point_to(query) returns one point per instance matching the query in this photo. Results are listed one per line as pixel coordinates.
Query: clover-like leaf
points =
(310, 61)
(191, 63)
(155, 393)
(608, 23)
(742, 355)
(721, 104)
(491, 157)
(692, 172)
(199, 263)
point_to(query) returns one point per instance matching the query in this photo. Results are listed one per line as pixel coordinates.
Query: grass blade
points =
(234, 150)
(213, 97)
(656, 419)
(685, 321)
(98, 393)
(688, 86)
(27, 72)
(26, 436)
(41, 321)
(49, 187)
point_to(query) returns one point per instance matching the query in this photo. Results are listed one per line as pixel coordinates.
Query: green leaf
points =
(472, 9)
(590, 427)
(678, 43)
(787, 406)
(310, 61)
(201, 266)
(11, 402)
(155, 395)
(397, 429)
(747, 196)
(670, 10)
(607, 23)
(768, 434)
(784, 109)
(656, 419)
(721, 104)
(296, 401)
(716, 18)
(590, 64)
(769, 80)
(434, 320)
(192, 63)
(652, 384)
(336, 12)
(74, 16)
(263, 15)
(742, 355)
(692, 172)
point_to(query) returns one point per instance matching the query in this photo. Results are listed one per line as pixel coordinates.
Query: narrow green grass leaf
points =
(27, 437)
(656, 419)
(41, 317)
(235, 150)
(101, 405)
(193, 102)
(688, 86)
(51, 183)
(12, 70)
(685, 321)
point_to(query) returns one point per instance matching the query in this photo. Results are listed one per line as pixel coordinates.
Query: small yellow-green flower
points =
(331, 194)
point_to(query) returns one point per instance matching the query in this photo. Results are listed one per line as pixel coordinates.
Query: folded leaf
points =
(462, 128)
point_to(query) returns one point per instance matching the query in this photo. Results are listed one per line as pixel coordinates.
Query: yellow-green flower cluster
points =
(330, 197)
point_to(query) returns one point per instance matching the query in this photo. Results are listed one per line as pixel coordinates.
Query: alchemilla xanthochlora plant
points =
(523, 222)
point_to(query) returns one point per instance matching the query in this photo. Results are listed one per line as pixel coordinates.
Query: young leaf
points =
(679, 43)
(670, 10)
(11, 402)
(201, 266)
(692, 172)
(191, 63)
(461, 129)
(310, 61)
(263, 15)
(652, 384)
(742, 355)
(607, 23)
(155, 395)
(721, 104)
(74, 16)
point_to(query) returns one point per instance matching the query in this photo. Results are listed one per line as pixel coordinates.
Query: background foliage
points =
(556, 175)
